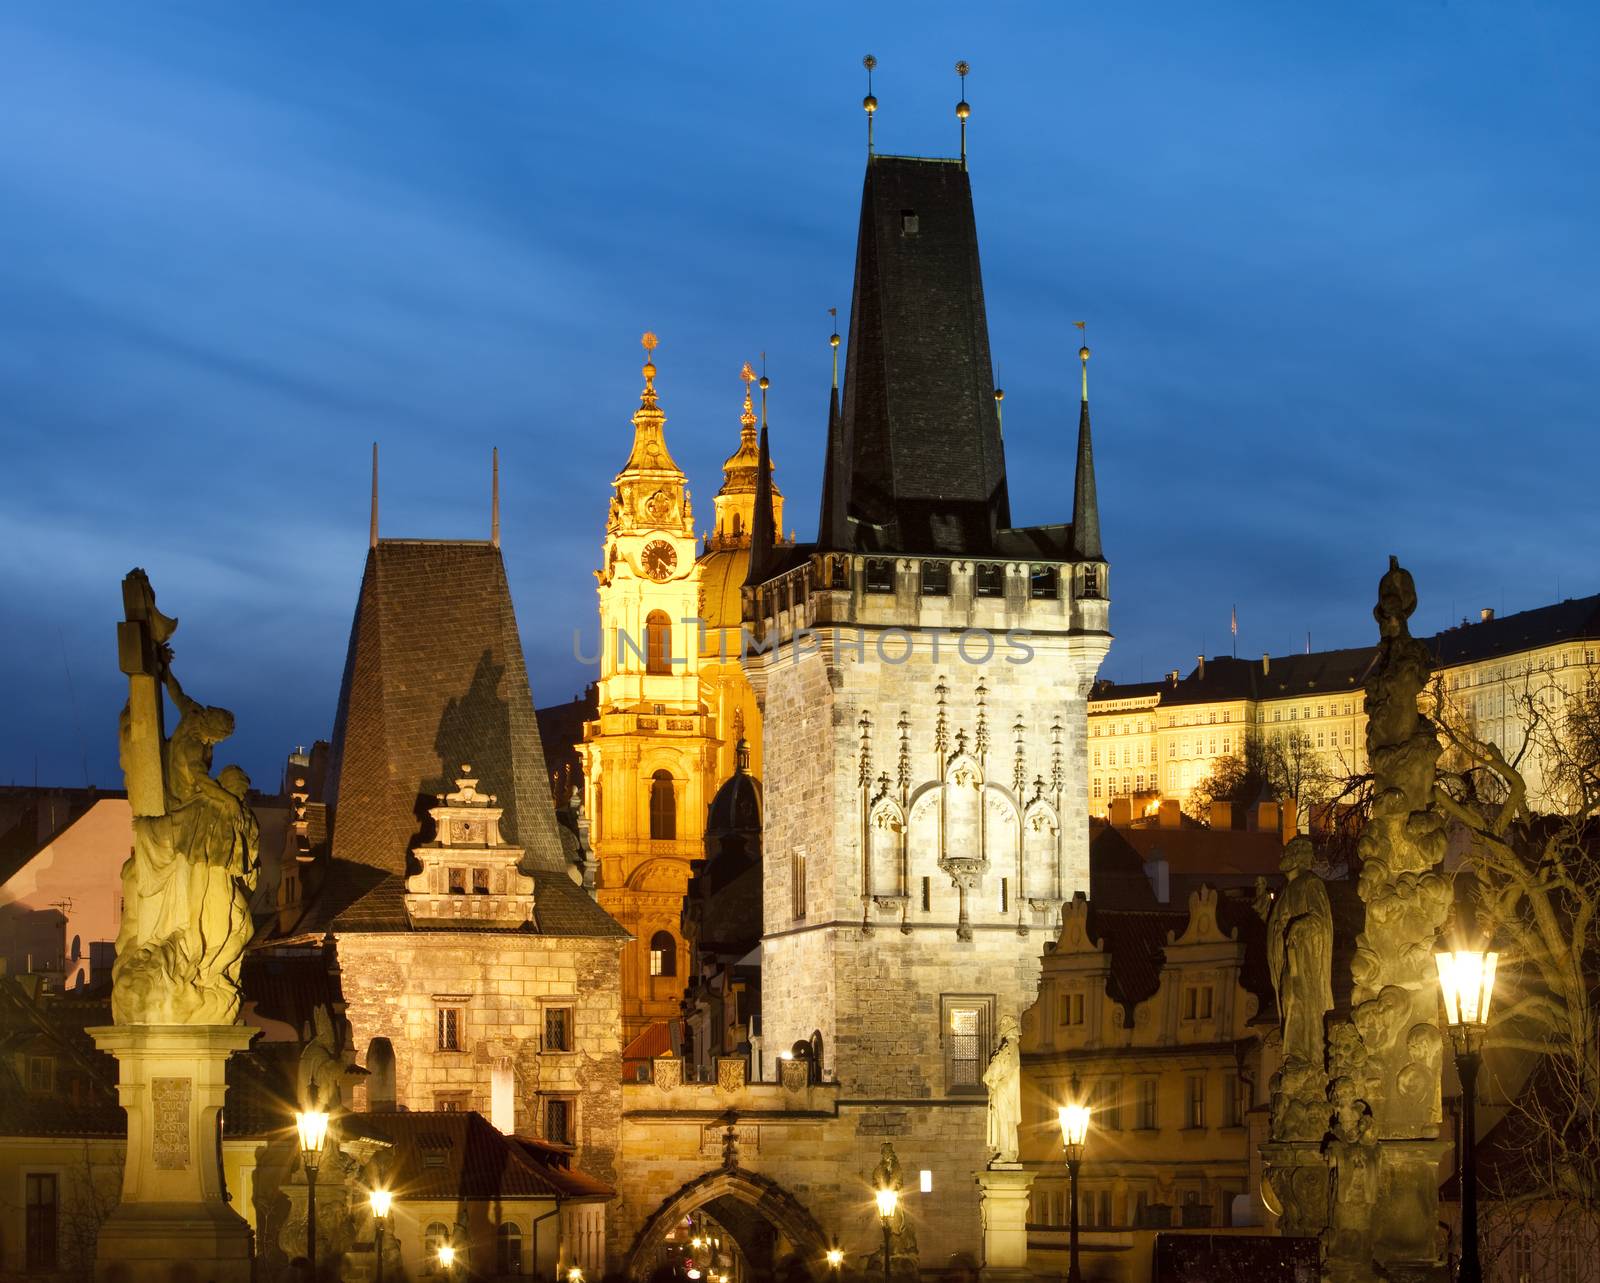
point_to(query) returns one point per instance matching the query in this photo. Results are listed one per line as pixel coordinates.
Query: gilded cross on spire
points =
(747, 420)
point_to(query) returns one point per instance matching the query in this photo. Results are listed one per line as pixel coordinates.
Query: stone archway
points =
(764, 1198)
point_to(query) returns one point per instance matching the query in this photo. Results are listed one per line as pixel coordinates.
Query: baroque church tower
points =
(650, 755)
(923, 672)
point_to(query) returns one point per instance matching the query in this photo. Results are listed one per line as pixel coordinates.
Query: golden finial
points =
(999, 396)
(833, 342)
(869, 104)
(963, 108)
(1083, 355)
(747, 419)
(763, 384)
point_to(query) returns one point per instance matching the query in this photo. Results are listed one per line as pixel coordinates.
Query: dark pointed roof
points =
(831, 527)
(763, 536)
(925, 468)
(1085, 503)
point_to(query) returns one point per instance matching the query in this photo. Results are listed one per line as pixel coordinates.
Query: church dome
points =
(736, 809)
(722, 574)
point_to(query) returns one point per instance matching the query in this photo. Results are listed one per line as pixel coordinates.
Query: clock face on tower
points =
(659, 559)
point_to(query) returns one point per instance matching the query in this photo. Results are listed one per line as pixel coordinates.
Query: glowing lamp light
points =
(575, 1275)
(313, 1128)
(888, 1200)
(692, 1273)
(447, 1255)
(835, 1258)
(1467, 979)
(380, 1200)
(1074, 1121)
(697, 1242)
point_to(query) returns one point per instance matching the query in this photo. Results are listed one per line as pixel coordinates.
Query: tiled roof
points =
(448, 1156)
(1572, 620)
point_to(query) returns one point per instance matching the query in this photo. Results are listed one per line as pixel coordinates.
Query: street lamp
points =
(379, 1200)
(575, 1275)
(447, 1259)
(888, 1199)
(1466, 978)
(313, 1128)
(1074, 1132)
(835, 1260)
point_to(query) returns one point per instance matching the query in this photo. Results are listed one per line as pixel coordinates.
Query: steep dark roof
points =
(925, 470)
(1085, 497)
(368, 901)
(434, 678)
(1571, 620)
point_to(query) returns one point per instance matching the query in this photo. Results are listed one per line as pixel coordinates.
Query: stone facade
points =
(503, 985)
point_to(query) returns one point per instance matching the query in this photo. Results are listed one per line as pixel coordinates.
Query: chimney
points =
(1221, 814)
(1174, 677)
(1171, 814)
(1200, 666)
(1266, 664)
(1267, 817)
(1160, 875)
(1120, 812)
(1486, 614)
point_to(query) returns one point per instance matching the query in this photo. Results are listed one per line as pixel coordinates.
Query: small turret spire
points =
(372, 537)
(494, 501)
(830, 522)
(963, 110)
(762, 529)
(869, 104)
(1085, 503)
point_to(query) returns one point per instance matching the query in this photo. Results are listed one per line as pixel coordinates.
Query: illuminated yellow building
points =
(671, 701)
(1155, 741)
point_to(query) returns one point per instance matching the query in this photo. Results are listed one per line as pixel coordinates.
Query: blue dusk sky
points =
(1338, 261)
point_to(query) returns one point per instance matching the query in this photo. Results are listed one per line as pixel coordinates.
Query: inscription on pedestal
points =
(169, 1145)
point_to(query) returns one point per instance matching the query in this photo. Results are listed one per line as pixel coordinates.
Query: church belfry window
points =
(657, 643)
(663, 954)
(991, 581)
(880, 574)
(663, 808)
(1044, 582)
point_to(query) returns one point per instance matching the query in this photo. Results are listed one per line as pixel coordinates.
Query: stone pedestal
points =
(1003, 1204)
(1404, 1240)
(1294, 1186)
(172, 1225)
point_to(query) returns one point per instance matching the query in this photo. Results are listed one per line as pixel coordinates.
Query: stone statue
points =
(1300, 955)
(186, 887)
(327, 1063)
(886, 1175)
(903, 1239)
(1003, 1078)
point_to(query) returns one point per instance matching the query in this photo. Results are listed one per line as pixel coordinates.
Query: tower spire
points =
(963, 109)
(494, 501)
(372, 537)
(830, 522)
(762, 535)
(869, 104)
(1085, 504)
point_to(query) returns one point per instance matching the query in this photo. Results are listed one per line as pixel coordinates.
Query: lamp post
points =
(1074, 1132)
(888, 1200)
(447, 1259)
(1466, 978)
(835, 1260)
(313, 1128)
(379, 1200)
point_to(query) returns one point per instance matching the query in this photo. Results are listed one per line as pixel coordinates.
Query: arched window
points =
(738, 525)
(663, 954)
(657, 643)
(437, 1235)
(663, 807)
(510, 1250)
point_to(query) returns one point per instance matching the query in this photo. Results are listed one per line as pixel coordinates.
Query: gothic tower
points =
(923, 672)
(652, 748)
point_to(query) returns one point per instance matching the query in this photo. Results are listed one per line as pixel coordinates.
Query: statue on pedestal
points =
(186, 887)
(1003, 1078)
(1300, 961)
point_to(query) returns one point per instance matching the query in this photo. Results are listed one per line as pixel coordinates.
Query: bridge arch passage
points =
(744, 1203)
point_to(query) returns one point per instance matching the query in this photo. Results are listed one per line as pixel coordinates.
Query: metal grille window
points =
(40, 1226)
(449, 1029)
(964, 1047)
(967, 1022)
(558, 1120)
(480, 882)
(458, 882)
(558, 1028)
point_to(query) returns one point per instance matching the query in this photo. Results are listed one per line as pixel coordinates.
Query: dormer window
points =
(909, 223)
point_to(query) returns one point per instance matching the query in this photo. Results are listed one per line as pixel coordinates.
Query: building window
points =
(40, 1226)
(451, 1102)
(991, 581)
(1195, 1113)
(458, 882)
(1197, 1001)
(657, 643)
(435, 1237)
(880, 575)
(480, 882)
(663, 954)
(1044, 583)
(558, 1028)
(927, 895)
(936, 579)
(41, 1074)
(558, 1120)
(1107, 1104)
(663, 807)
(449, 1029)
(1091, 581)
(1147, 1120)
(1232, 1112)
(966, 1021)
(1005, 895)
(508, 1250)
(797, 886)
(1072, 1009)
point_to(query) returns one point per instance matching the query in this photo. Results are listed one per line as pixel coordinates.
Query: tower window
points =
(657, 643)
(936, 579)
(1091, 581)
(1044, 583)
(449, 1029)
(797, 885)
(558, 1120)
(880, 574)
(558, 1027)
(480, 882)
(663, 954)
(909, 223)
(663, 807)
(991, 581)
